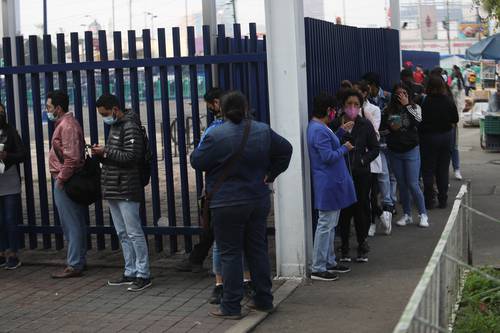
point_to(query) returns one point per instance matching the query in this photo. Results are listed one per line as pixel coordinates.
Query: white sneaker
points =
(386, 219)
(405, 220)
(458, 175)
(424, 221)
(373, 229)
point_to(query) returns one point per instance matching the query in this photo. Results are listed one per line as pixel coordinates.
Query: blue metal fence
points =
(174, 187)
(339, 52)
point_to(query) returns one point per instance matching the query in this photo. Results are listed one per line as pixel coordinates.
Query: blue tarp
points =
(488, 48)
(428, 60)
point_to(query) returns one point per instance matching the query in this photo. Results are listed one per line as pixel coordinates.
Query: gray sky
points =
(72, 15)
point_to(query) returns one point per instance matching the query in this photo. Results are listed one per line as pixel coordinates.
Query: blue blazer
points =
(332, 183)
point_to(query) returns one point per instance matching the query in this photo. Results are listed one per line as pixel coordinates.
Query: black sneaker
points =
(339, 269)
(362, 258)
(216, 296)
(140, 284)
(3, 262)
(249, 289)
(188, 266)
(345, 258)
(324, 276)
(123, 280)
(12, 263)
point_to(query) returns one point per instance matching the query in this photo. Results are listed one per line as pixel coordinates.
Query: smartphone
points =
(395, 119)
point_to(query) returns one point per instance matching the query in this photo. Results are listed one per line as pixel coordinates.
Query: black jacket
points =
(405, 138)
(439, 112)
(13, 145)
(365, 142)
(121, 172)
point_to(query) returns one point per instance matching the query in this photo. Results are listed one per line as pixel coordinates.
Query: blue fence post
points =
(91, 99)
(167, 139)
(151, 121)
(207, 51)
(39, 142)
(254, 73)
(223, 77)
(237, 67)
(103, 53)
(25, 131)
(9, 82)
(119, 85)
(179, 96)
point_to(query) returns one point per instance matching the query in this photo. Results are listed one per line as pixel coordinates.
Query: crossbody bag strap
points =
(231, 162)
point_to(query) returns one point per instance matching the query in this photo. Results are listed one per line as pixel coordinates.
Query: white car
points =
(472, 117)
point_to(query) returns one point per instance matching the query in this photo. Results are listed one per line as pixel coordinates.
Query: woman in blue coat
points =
(332, 184)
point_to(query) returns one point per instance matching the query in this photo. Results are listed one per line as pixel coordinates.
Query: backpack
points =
(147, 161)
(472, 77)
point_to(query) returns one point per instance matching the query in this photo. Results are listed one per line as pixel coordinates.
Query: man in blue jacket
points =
(332, 184)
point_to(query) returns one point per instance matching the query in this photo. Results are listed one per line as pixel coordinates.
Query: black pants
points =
(435, 153)
(375, 209)
(237, 229)
(360, 211)
(201, 250)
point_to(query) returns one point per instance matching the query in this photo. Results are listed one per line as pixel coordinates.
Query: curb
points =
(254, 318)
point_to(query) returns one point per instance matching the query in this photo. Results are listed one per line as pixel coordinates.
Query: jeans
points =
(72, 217)
(237, 229)
(216, 262)
(435, 164)
(406, 167)
(10, 217)
(375, 209)
(360, 211)
(324, 251)
(127, 222)
(455, 156)
(387, 182)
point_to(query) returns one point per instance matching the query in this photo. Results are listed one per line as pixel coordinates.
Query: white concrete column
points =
(286, 61)
(209, 14)
(395, 15)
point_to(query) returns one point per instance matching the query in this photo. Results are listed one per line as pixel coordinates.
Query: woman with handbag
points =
(12, 153)
(240, 158)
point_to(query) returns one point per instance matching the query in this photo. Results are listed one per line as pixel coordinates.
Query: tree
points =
(492, 7)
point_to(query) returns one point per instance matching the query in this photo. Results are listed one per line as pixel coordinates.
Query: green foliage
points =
(479, 310)
(491, 6)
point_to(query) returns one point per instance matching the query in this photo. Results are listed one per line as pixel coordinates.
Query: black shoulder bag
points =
(204, 202)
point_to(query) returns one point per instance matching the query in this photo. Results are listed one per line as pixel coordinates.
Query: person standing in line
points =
(122, 185)
(439, 114)
(249, 155)
(470, 78)
(399, 126)
(66, 157)
(366, 149)
(332, 185)
(12, 153)
(458, 91)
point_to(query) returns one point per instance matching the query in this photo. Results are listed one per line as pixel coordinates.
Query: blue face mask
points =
(109, 120)
(51, 116)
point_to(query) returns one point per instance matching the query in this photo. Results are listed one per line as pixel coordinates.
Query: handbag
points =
(204, 201)
(84, 187)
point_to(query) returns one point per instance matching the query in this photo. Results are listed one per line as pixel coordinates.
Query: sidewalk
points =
(373, 296)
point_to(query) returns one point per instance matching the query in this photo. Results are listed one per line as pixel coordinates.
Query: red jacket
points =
(67, 153)
(418, 77)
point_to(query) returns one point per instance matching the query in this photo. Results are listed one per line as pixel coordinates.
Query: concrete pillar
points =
(209, 14)
(286, 61)
(395, 15)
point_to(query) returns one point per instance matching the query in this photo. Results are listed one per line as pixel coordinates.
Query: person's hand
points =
(3, 155)
(59, 184)
(97, 150)
(403, 98)
(349, 146)
(348, 126)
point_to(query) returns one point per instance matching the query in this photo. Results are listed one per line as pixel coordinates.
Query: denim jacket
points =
(266, 154)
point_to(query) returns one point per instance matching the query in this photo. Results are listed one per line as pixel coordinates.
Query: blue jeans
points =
(127, 222)
(216, 262)
(324, 252)
(455, 156)
(387, 182)
(406, 168)
(72, 217)
(238, 229)
(10, 217)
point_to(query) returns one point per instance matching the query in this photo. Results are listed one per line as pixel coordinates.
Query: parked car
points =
(472, 117)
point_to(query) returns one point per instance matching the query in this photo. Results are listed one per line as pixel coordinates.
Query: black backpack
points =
(147, 161)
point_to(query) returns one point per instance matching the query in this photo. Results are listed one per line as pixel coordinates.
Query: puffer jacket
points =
(121, 172)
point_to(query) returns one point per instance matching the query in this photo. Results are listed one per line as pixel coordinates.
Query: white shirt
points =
(373, 114)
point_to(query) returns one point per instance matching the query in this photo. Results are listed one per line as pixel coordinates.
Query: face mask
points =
(352, 112)
(109, 120)
(51, 116)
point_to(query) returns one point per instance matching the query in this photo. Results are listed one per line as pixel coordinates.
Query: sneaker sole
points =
(140, 289)
(14, 267)
(345, 260)
(362, 260)
(120, 284)
(339, 272)
(318, 278)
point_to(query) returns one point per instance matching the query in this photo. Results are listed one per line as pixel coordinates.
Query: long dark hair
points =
(234, 106)
(394, 105)
(459, 76)
(436, 86)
